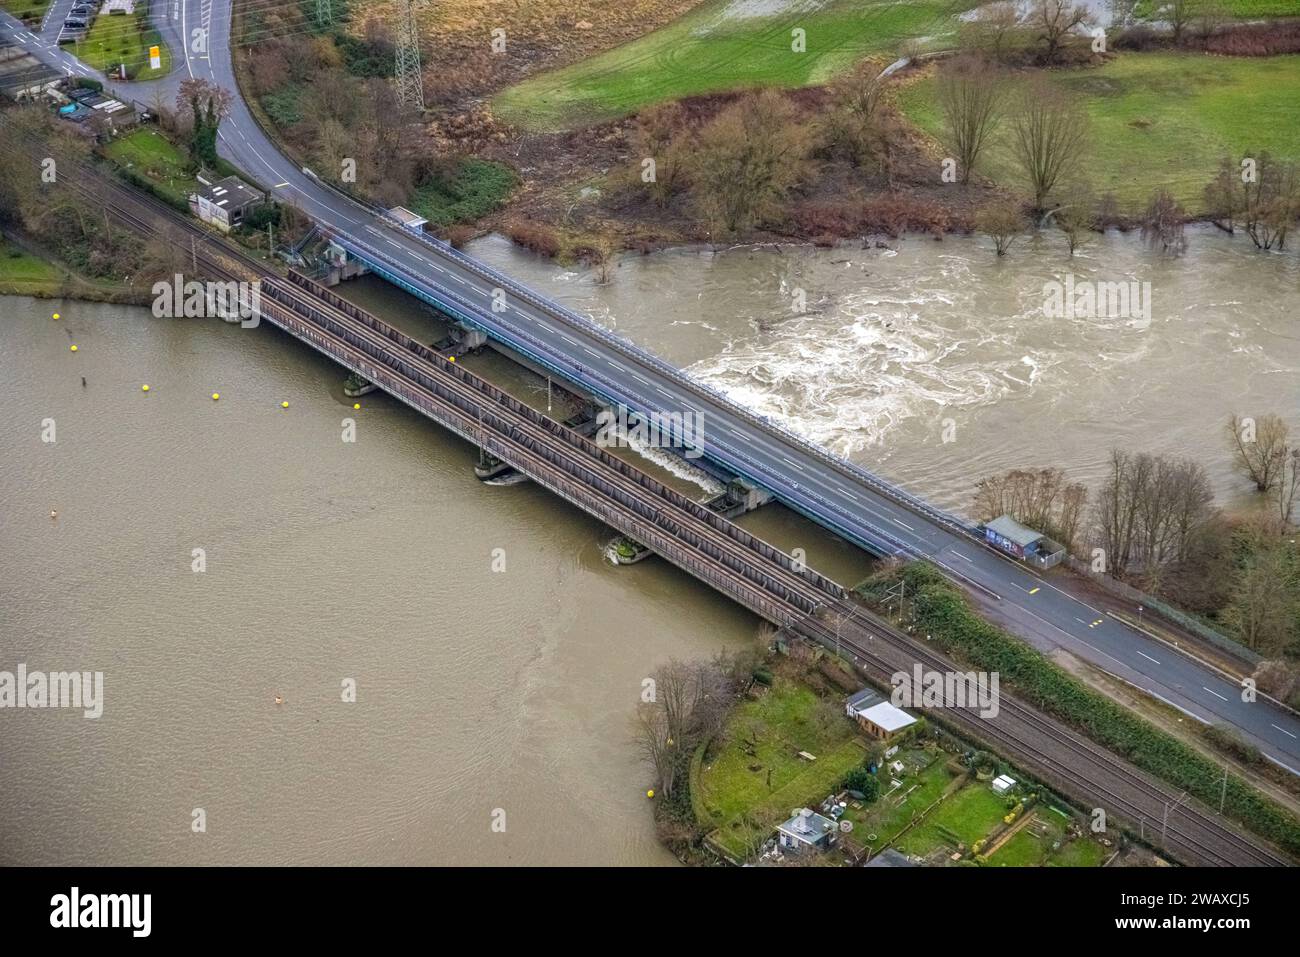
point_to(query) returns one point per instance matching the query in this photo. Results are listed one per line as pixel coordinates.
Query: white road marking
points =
(1284, 731)
(795, 464)
(1215, 693)
(905, 525)
(1146, 656)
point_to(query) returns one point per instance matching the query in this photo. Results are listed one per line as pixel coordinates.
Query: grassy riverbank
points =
(723, 45)
(1159, 120)
(22, 273)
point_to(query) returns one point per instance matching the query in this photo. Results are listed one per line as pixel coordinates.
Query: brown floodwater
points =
(372, 561)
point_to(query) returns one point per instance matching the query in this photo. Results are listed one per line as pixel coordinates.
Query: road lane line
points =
(1284, 731)
(1146, 656)
(1215, 693)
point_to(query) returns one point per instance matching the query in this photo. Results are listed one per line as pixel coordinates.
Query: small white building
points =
(806, 830)
(876, 716)
(118, 6)
(1003, 783)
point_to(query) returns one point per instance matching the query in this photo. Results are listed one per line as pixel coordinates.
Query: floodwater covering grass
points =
(1160, 120)
(115, 40)
(726, 45)
(148, 154)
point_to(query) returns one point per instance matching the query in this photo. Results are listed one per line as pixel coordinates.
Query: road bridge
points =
(840, 496)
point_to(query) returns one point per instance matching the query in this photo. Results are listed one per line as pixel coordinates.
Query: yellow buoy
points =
(284, 405)
(56, 315)
(650, 793)
(74, 348)
(145, 387)
(356, 405)
(215, 396)
(451, 358)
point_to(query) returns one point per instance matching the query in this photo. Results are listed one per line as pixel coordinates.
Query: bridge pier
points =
(738, 498)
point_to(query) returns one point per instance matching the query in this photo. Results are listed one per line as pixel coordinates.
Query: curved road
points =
(848, 504)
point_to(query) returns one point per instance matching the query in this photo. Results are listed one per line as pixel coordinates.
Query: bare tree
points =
(1044, 499)
(1270, 200)
(1259, 447)
(1288, 485)
(747, 160)
(1076, 216)
(689, 703)
(660, 136)
(1055, 20)
(1178, 14)
(1002, 223)
(970, 97)
(1149, 512)
(992, 30)
(1223, 196)
(1263, 609)
(1163, 223)
(1049, 133)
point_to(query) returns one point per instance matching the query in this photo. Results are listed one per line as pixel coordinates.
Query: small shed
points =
(1005, 533)
(225, 203)
(806, 830)
(1003, 783)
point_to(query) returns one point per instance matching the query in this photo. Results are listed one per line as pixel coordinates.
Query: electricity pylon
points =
(324, 13)
(410, 86)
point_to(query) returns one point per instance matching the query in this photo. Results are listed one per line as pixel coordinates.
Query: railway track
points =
(706, 546)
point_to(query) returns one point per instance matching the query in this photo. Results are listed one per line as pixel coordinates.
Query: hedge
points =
(942, 611)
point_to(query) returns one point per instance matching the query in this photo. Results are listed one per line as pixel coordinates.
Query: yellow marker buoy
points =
(650, 793)
(74, 348)
(356, 405)
(451, 358)
(145, 387)
(56, 315)
(216, 396)
(284, 405)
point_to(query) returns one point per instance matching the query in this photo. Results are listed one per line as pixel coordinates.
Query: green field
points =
(714, 48)
(30, 11)
(1241, 9)
(20, 271)
(1161, 120)
(766, 735)
(149, 154)
(970, 814)
(117, 39)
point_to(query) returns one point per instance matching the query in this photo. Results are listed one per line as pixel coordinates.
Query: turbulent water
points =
(480, 690)
(893, 342)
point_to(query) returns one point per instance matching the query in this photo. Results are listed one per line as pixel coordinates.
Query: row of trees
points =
(1156, 523)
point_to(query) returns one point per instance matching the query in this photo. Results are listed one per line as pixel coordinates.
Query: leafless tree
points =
(1002, 223)
(1054, 21)
(1270, 201)
(970, 97)
(1049, 133)
(747, 160)
(1263, 608)
(1076, 216)
(1259, 447)
(660, 135)
(992, 31)
(690, 701)
(1288, 485)
(1163, 223)
(1043, 499)
(1223, 195)
(1149, 511)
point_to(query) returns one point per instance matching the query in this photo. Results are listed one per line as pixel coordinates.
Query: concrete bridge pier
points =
(492, 471)
(738, 498)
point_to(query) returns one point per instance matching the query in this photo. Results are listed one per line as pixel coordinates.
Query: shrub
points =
(536, 237)
(864, 782)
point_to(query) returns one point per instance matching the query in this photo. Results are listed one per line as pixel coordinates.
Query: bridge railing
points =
(857, 529)
(640, 354)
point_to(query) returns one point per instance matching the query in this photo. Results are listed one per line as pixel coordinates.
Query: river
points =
(479, 690)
